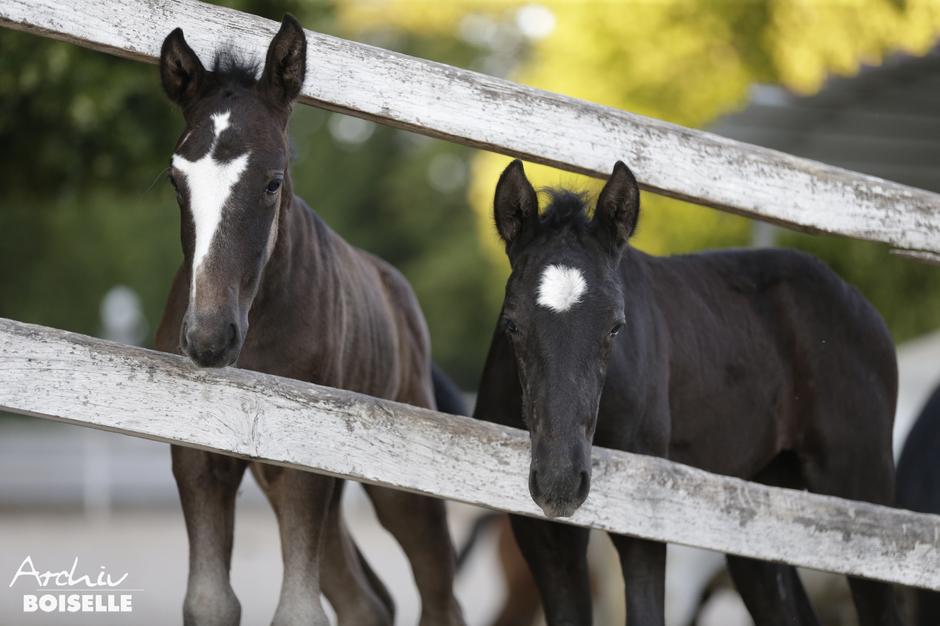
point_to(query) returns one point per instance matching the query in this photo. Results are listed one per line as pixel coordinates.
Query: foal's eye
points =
(273, 186)
(509, 326)
(616, 329)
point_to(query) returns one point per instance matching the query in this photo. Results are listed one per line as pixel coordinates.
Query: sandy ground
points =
(150, 546)
(110, 501)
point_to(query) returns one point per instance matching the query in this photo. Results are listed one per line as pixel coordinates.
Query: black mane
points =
(567, 208)
(233, 68)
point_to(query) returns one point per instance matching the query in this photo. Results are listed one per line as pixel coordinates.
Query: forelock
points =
(566, 208)
(234, 68)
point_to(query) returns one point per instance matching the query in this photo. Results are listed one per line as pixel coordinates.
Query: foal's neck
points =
(277, 275)
(634, 264)
(302, 259)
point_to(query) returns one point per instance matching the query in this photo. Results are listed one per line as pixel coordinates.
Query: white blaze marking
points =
(210, 184)
(561, 287)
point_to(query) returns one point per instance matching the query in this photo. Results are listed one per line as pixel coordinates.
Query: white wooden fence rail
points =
(59, 375)
(495, 114)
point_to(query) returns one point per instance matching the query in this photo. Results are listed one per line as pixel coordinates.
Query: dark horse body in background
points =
(319, 310)
(918, 489)
(758, 364)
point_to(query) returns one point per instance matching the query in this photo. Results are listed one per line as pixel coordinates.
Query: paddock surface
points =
(149, 543)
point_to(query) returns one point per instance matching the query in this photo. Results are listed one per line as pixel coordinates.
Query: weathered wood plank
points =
(495, 114)
(59, 375)
(931, 258)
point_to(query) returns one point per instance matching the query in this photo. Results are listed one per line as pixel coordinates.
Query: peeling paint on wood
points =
(63, 376)
(494, 114)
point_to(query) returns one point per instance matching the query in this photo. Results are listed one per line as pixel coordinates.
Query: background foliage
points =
(87, 135)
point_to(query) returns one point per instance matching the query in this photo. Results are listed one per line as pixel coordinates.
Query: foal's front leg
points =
(557, 557)
(300, 501)
(643, 564)
(207, 486)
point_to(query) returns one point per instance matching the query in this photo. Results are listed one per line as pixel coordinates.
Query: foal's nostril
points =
(534, 489)
(584, 486)
(232, 335)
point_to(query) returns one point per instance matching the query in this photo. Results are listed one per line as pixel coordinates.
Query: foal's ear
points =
(516, 203)
(286, 63)
(181, 72)
(618, 206)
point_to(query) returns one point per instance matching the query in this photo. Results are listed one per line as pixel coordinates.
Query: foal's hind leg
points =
(847, 453)
(557, 556)
(207, 486)
(772, 592)
(357, 595)
(300, 501)
(869, 477)
(419, 524)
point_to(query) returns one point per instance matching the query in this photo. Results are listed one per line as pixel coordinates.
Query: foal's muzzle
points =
(210, 343)
(559, 499)
(560, 477)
